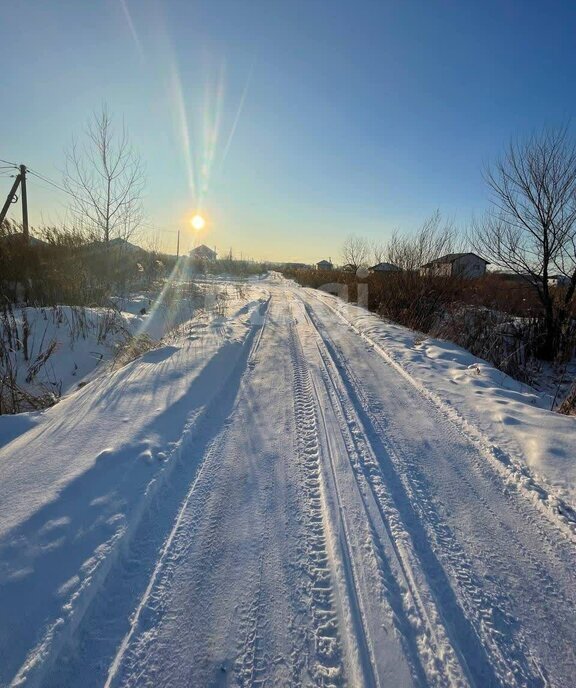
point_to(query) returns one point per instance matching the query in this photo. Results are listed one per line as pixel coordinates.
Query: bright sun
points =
(198, 222)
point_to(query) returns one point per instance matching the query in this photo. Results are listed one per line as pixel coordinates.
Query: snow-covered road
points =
(327, 524)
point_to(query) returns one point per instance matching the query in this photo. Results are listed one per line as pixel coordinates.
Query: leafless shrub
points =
(379, 251)
(132, 347)
(26, 350)
(355, 252)
(568, 406)
(40, 361)
(435, 237)
(510, 344)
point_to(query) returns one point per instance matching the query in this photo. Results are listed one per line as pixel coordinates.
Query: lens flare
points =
(197, 107)
(198, 222)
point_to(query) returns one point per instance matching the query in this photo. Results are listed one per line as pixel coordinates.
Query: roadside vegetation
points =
(522, 316)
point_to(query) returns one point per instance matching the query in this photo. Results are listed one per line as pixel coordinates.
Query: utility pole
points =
(24, 204)
(11, 198)
(178, 246)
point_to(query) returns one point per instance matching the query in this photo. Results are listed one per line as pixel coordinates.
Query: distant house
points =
(558, 281)
(203, 252)
(18, 239)
(296, 266)
(324, 265)
(117, 247)
(516, 277)
(467, 265)
(385, 267)
(116, 244)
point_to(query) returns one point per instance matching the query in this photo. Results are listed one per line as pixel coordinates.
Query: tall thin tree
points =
(105, 177)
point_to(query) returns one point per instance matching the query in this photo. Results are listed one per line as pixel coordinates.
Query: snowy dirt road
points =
(328, 525)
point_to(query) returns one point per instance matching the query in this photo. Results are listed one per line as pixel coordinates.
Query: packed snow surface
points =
(292, 492)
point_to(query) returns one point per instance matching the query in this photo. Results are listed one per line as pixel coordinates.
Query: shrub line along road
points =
(328, 525)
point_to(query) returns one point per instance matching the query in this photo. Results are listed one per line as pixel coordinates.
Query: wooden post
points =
(24, 204)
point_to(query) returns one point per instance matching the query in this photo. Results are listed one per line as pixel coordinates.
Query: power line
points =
(41, 186)
(49, 181)
(7, 162)
(69, 193)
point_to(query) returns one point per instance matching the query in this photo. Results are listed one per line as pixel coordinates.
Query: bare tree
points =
(355, 251)
(434, 238)
(105, 177)
(531, 228)
(152, 243)
(378, 249)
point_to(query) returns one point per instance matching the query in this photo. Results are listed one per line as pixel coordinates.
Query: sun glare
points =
(198, 222)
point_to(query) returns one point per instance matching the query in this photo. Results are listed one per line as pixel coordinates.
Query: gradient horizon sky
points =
(291, 123)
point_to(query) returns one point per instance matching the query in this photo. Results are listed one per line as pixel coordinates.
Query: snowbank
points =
(73, 487)
(49, 352)
(507, 413)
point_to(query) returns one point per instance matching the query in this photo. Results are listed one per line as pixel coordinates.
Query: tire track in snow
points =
(98, 632)
(509, 656)
(428, 651)
(250, 665)
(328, 666)
(518, 475)
(136, 618)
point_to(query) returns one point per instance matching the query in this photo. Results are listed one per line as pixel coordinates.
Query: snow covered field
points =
(292, 492)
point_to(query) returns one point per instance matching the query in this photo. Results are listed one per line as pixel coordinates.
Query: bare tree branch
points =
(355, 251)
(106, 179)
(433, 239)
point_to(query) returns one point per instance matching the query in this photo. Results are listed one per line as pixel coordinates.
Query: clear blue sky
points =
(357, 116)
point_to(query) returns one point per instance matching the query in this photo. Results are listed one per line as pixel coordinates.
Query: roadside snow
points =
(287, 490)
(13, 426)
(73, 487)
(508, 413)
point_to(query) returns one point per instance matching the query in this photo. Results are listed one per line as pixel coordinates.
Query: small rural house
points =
(203, 252)
(296, 266)
(467, 265)
(117, 245)
(324, 265)
(384, 267)
(558, 281)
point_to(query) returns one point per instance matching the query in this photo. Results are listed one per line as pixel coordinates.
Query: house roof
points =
(451, 257)
(323, 262)
(203, 249)
(384, 266)
(18, 237)
(116, 243)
